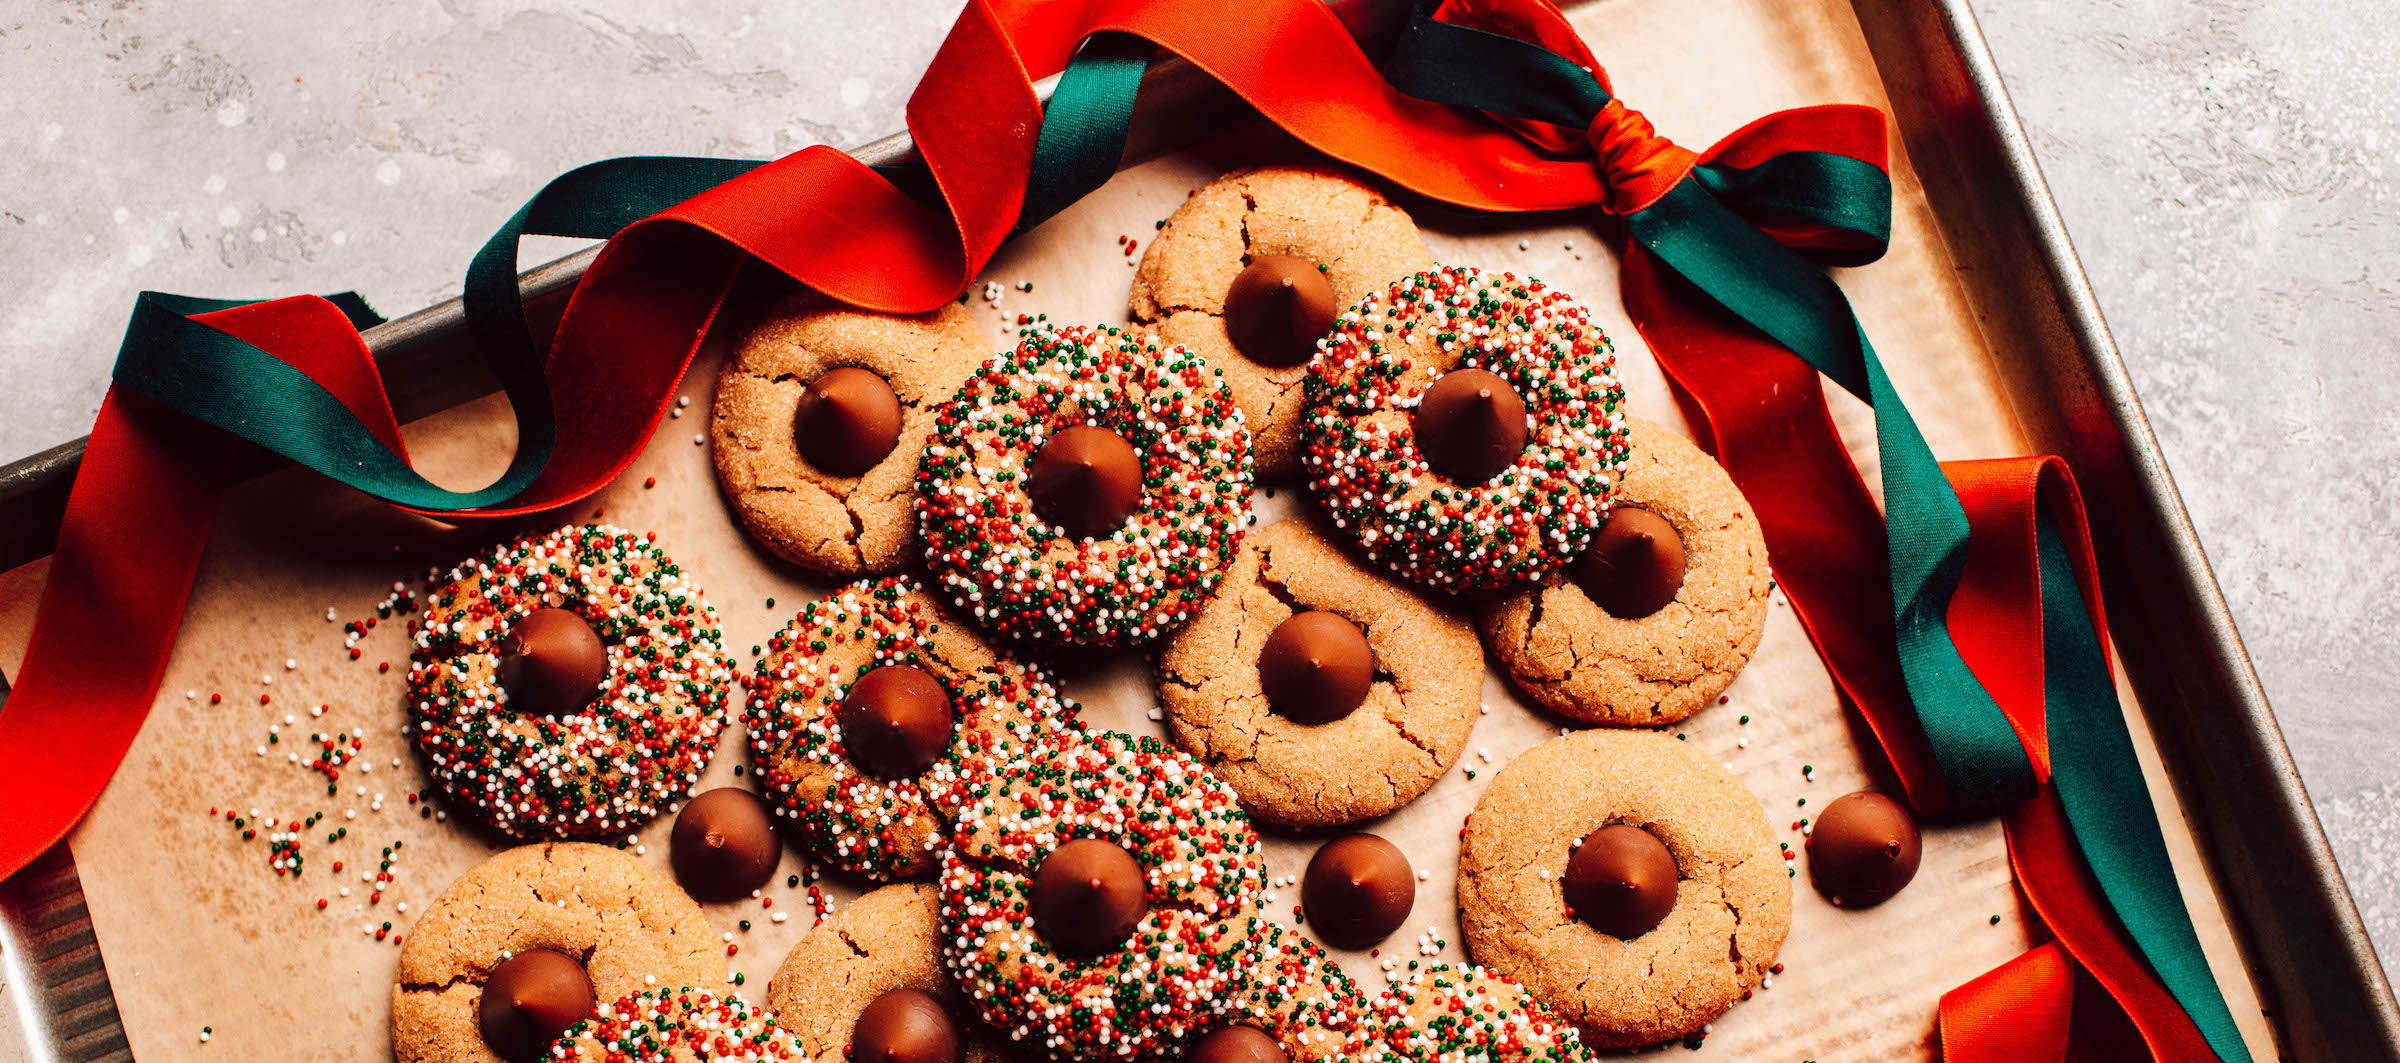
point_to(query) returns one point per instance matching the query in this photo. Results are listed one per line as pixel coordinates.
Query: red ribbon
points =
(141, 507)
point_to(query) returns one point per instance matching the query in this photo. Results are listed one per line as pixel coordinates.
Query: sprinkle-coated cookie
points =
(1182, 509)
(1544, 479)
(1295, 993)
(622, 921)
(818, 420)
(854, 807)
(1574, 656)
(1468, 1014)
(681, 1025)
(1357, 240)
(1095, 894)
(591, 719)
(1722, 917)
(1412, 702)
(884, 942)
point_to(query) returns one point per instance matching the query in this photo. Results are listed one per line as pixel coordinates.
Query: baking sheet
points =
(200, 933)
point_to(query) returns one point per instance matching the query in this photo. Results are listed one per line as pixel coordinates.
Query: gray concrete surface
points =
(2222, 164)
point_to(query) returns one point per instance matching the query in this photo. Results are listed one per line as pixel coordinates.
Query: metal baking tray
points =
(2299, 933)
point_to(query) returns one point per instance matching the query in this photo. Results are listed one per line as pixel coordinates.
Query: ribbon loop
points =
(1640, 165)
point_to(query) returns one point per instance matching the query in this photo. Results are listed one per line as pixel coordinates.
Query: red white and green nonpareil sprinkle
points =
(671, 1025)
(1290, 989)
(1361, 455)
(853, 820)
(1467, 1014)
(1017, 574)
(619, 762)
(1180, 971)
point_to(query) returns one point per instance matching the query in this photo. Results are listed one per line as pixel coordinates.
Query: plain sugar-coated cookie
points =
(1412, 699)
(888, 940)
(626, 923)
(1731, 898)
(1573, 656)
(1316, 216)
(847, 520)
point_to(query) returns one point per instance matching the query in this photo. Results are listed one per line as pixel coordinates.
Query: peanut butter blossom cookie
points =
(678, 1026)
(1317, 687)
(1468, 1014)
(818, 420)
(868, 986)
(869, 709)
(525, 944)
(1466, 428)
(1251, 271)
(571, 684)
(1096, 895)
(1089, 487)
(1655, 618)
(1628, 880)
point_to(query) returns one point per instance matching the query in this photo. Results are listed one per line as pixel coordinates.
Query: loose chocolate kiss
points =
(1470, 425)
(1316, 668)
(906, 1026)
(847, 420)
(724, 844)
(1278, 308)
(551, 663)
(530, 999)
(1236, 1044)
(1634, 566)
(1863, 848)
(1088, 895)
(1086, 480)
(896, 721)
(1621, 881)
(1357, 890)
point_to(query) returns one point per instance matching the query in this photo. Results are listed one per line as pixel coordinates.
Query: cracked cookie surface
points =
(1574, 657)
(841, 526)
(1361, 238)
(888, 939)
(1733, 899)
(1416, 718)
(627, 922)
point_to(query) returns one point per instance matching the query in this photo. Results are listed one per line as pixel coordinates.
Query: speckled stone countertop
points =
(2224, 166)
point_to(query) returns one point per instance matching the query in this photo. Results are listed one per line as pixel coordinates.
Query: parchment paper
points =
(198, 932)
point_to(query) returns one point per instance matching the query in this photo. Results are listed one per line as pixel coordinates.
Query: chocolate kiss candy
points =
(896, 721)
(551, 663)
(1470, 425)
(1621, 880)
(847, 420)
(1278, 308)
(1357, 890)
(1236, 1044)
(724, 844)
(1088, 895)
(906, 1026)
(1085, 480)
(1316, 668)
(1863, 848)
(1634, 565)
(530, 999)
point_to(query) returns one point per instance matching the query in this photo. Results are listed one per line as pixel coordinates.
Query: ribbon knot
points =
(1640, 165)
